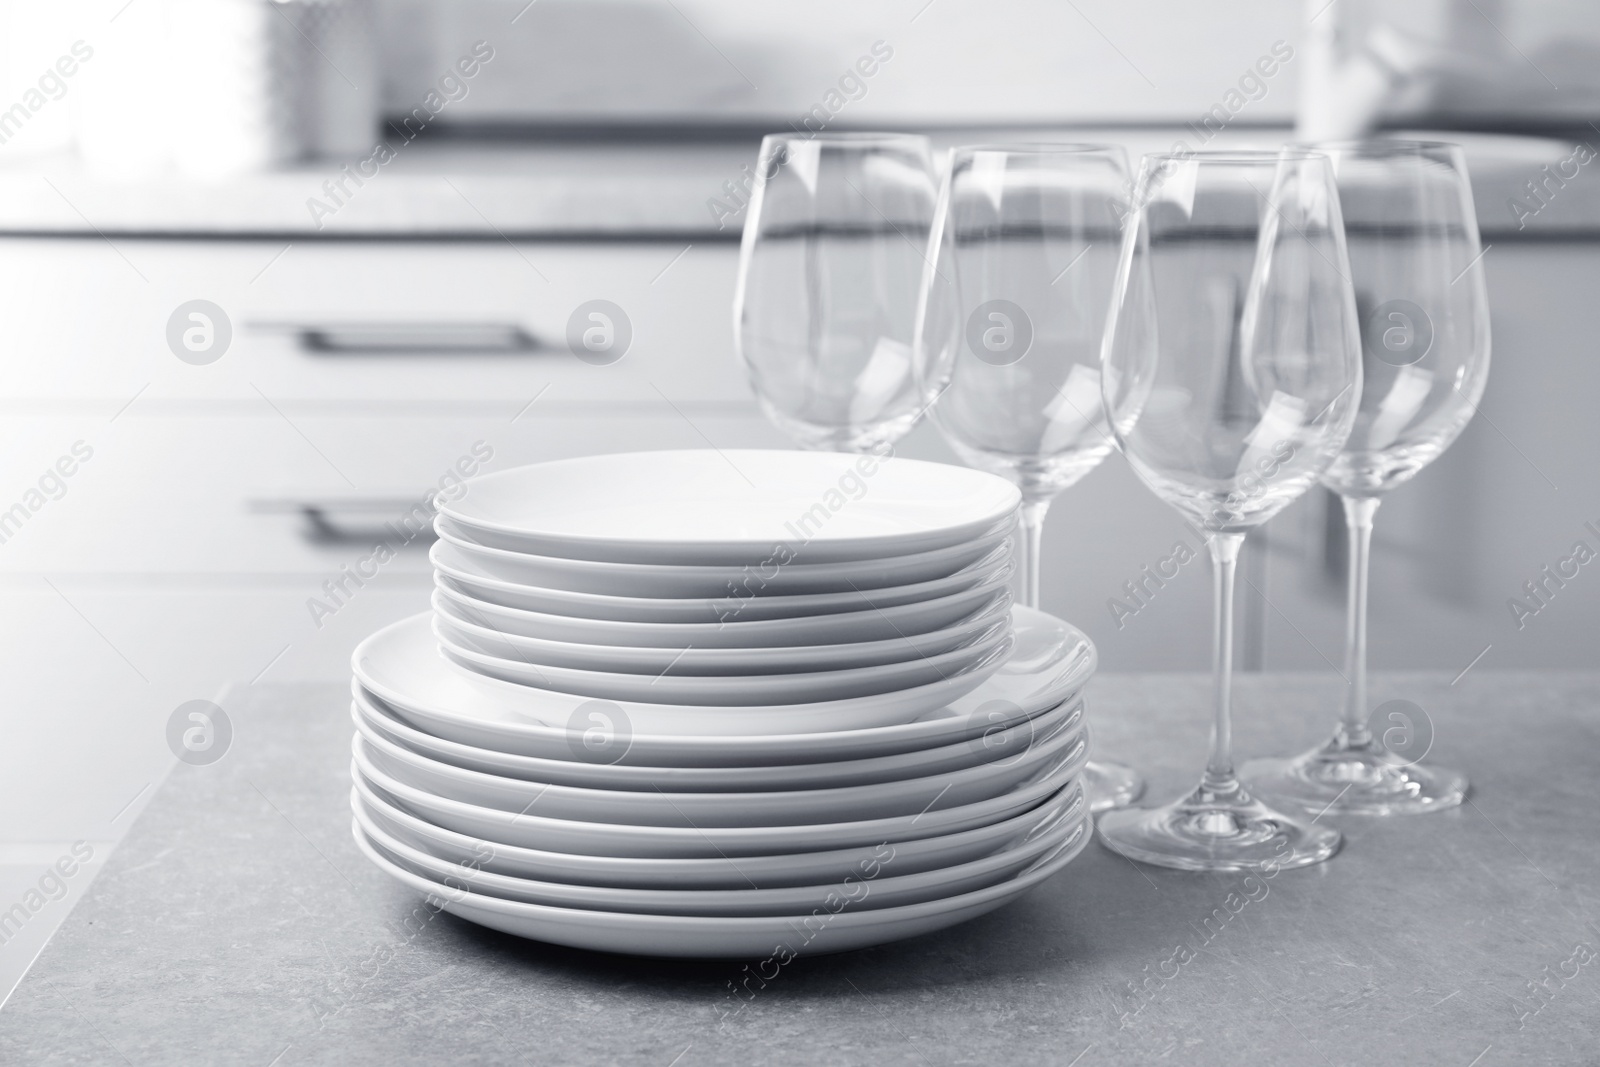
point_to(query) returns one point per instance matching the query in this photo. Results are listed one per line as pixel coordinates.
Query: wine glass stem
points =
(1033, 512)
(1358, 513)
(1219, 778)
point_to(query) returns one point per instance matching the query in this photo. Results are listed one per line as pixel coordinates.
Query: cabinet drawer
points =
(369, 321)
(264, 494)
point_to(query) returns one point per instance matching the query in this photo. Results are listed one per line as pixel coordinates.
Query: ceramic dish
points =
(730, 507)
(999, 743)
(783, 807)
(470, 629)
(716, 872)
(875, 886)
(1049, 663)
(734, 937)
(468, 577)
(983, 654)
(409, 653)
(788, 573)
(900, 621)
(530, 830)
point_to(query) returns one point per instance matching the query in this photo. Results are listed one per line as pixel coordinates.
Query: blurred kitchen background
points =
(397, 204)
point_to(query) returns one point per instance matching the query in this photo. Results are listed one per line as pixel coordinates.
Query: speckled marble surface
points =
(238, 924)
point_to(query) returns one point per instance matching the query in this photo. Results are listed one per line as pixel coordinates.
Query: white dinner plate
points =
(465, 628)
(876, 886)
(982, 656)
(731, 507)
(469, 577)
(900, 621)
(716, 872)
(409, 650)
(748, 937)
(784, 575)
(784, 807)
(530, 830)
(1050, 661)
(1000, 742)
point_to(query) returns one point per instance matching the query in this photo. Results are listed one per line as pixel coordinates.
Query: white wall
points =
(953, 60)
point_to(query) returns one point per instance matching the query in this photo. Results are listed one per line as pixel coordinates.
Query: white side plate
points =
(731, 507)
(981, 657)
(784, 574)
(471, 578)
(879, 624)
(466, 627)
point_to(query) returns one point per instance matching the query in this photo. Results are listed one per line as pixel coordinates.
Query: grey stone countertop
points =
(238, 924)
(663, 188)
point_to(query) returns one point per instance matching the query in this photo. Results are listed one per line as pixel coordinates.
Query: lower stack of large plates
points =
(723, 704)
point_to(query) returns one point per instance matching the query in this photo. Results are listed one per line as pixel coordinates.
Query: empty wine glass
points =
(829, 271)
(1416, 264)
(1021, 265)
(1232, 374)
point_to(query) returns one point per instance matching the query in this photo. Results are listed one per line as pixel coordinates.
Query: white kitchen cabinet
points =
(1512, 495)
(365, 321)
(258, 492)
(1452, 548)
(283, 459)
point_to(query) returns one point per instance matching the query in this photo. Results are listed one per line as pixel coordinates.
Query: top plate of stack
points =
(732, 507)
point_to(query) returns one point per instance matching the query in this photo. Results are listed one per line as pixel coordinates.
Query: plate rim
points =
(1003, 829)
(1061, 739)
(1073, 712)
(1001, 892)
(993, 642)
(992, 590)
(984, 545)
(990, 569)
(453, 508)
(1045, 785)
(1069, 821)
(969, 626)
(1082, 671)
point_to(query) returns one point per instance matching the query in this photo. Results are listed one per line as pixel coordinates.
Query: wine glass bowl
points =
(1413, 241)
(1232, 375)
(829, 271)
(1238, 375)
(1026, 245)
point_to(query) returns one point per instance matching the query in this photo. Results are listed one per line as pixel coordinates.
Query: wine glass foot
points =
(1208, 832)
(1356, 780)
(1111, 785)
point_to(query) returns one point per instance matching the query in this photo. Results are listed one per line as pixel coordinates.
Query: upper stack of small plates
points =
(706, 703)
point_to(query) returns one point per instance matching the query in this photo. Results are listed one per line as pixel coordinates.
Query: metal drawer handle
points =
(416, 338)
(397, 522)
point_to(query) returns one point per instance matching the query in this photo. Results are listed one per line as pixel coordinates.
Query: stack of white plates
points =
(712, 703)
